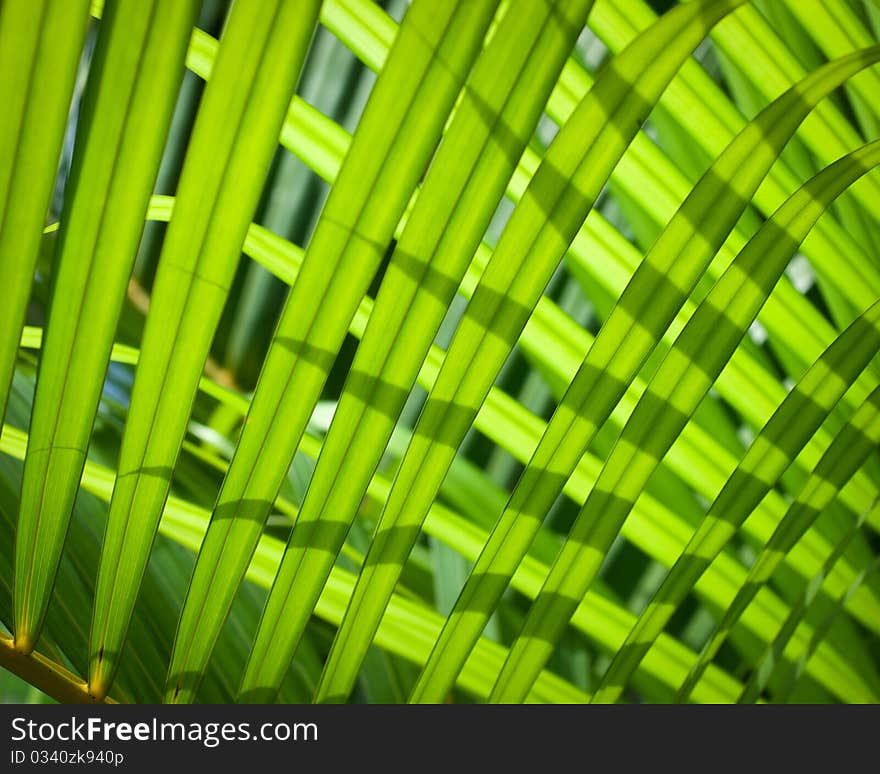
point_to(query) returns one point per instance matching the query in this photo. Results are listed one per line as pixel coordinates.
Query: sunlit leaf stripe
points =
(844, 456)
(537, 235)
(697, 103)
(772, 68)
(596, 624)
(667, 670)
(711, 114)
(835, 28)
(652, 179)
(691, 454)
(276, 258)
(539, 37)
(140, 61)
(239, 120)
(664, 279)
(36, 48)
(780, 503)
(692, 97)
(473, 614)
(785, 313)
(504, 95)
(688, 372)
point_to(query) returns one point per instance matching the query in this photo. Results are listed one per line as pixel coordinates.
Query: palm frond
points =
(573, 395)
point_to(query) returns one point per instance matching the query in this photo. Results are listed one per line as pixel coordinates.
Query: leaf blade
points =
(712, 208)
(256, 70)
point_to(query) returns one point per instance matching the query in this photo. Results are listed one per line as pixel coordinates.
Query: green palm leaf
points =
(687, 374)
(257, 68)
(518, 431)
(844, 456)
(38, 45)
(304, 342)
(140, 61)
(501, 107)
(598, 616)
(669, 272)
(573, 394)
(809, 597)
(552, 210)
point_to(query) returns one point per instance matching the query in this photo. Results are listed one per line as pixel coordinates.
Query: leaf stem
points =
(43, 673)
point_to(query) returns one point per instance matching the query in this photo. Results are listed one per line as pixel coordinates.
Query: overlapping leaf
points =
(402, 123)
(40, 44)
(239, 120)
(126, 112)
(688, 372)
(843, 457)
(599, 617)
(670, 271)
(802, 616)
(499, 111)
(510, 425)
